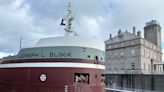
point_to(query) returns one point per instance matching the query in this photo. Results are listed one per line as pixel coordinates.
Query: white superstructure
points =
(71, 41)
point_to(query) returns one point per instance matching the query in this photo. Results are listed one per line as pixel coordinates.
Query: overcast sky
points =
(35, 19)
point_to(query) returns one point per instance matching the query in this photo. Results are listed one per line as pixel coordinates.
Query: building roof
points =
(152, 22)
(123, 37)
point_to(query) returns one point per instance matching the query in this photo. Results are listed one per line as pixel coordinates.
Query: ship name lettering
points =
(28, 55)
(60, 54)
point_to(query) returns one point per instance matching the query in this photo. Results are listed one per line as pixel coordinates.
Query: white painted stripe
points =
(56, 64)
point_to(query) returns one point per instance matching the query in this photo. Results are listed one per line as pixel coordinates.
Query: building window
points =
(148, 54)
(132, 52)
(122, 54)
(122, 44)
(110, 46)
(145, 43)
(144, 52)
(155, 56)
(132, 43)
(115, 54)
(151, 55)
(144, 66)
(133, 66)
(155, 67)
(115, 46)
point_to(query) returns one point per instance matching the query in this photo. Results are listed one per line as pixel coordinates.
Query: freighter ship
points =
(69, 63)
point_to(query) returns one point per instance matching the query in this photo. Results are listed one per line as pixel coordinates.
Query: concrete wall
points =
(145, 82)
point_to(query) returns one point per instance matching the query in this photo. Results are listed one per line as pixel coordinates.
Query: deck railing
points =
(134, 72)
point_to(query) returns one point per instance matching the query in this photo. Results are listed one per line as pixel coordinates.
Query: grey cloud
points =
(35, 19)
(40, 9)
(43, 10)
(6, 2)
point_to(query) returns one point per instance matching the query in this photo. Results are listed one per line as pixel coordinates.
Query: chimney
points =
(119, 32)
(139, 33)
(134, 30)
(110, 36)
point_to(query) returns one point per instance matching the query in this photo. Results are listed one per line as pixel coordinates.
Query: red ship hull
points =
(57, 78)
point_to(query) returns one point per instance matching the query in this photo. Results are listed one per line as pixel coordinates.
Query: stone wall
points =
(143, 82)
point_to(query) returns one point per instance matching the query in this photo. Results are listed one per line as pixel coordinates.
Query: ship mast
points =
(67, 21)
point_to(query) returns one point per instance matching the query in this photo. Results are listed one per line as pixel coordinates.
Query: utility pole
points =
(20, 44)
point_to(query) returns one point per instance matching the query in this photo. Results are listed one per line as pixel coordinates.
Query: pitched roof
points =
(123, 37)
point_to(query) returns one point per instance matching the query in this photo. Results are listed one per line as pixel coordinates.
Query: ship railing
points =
(134, 72)
(8, 58)
(123, 72)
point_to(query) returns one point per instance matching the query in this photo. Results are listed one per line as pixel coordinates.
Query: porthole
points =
(96, 58)
(43, 77)
(89, 56)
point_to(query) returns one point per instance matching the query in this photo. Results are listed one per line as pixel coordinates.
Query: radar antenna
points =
(67, 21)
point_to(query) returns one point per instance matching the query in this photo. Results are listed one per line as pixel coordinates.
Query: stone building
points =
(129, 54)
(129, 51)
